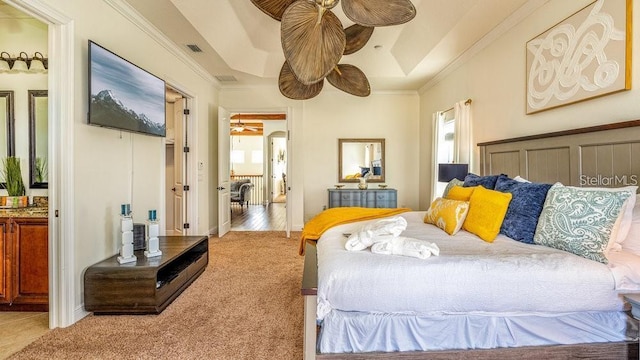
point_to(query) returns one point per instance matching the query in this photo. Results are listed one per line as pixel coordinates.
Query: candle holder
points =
(153, 231)
(126, 235)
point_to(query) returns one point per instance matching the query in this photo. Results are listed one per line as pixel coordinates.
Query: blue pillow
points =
(488, 182)
(524, 209)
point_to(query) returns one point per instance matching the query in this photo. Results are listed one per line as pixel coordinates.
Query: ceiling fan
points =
(314, 41)
(240, 127)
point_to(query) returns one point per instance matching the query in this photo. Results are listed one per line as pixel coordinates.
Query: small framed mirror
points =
(361, 158)
(38, 139)
(7, 142)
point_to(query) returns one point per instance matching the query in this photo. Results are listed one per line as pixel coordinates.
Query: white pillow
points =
(623, 222)
(631, 242)
(521, 179)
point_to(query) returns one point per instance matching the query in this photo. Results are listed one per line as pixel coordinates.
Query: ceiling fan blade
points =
(312, 43)
(350, 79)
(357, 37)
(273, 8)
(294, 89)
(379, 12)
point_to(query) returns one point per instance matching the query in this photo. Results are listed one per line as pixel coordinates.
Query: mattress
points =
(513, 288)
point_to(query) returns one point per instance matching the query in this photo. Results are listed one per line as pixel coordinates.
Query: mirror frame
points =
(341, 176)
(33, 184)
(10, 126)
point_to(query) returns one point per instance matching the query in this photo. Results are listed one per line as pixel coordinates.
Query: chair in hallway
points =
(240, 192)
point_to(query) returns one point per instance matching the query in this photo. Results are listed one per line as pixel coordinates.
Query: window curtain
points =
(463, 142)
(435, 135)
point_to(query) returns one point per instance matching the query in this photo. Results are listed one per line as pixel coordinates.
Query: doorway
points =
(251, 157)
(176, 161)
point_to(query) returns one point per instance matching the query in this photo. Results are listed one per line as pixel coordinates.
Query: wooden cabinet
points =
(375, 198)
(24, 248)
(148, 285)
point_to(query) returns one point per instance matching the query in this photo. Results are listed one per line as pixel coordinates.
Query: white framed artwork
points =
(584, 56)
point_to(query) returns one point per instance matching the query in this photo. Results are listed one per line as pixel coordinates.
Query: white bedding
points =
(470, 276)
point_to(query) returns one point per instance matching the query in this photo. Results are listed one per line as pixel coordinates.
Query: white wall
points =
(495, 80)
(113, 167)
(317, 124)
(18, 35)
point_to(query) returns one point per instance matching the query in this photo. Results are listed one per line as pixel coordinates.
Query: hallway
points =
(258, 217)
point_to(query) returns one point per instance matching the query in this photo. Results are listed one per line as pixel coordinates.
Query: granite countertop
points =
(29, 211)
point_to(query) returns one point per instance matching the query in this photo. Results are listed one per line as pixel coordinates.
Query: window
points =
(445, 144)
(256, 156)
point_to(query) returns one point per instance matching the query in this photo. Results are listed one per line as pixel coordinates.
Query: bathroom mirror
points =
(361, 157)
(7, 144)
(38, 139)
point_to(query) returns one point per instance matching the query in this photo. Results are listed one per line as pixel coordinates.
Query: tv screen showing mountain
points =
(124, 96)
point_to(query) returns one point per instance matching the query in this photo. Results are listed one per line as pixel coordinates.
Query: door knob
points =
(220, 188)
(173, 189)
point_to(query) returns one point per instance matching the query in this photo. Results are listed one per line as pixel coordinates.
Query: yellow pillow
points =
(487, 209)
(460, 193)
(447, 214)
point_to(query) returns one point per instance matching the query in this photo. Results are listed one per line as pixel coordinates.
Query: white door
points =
(175, 166)
(224, 198)
(180, 161)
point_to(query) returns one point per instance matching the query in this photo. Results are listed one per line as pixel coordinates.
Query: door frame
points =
(61, 75)
(289, 113)
(190, 165)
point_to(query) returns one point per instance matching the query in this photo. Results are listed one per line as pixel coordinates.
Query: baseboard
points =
(79, 313)
(213, 230)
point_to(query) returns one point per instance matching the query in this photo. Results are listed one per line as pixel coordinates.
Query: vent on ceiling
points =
(194, 47)
(226, 78)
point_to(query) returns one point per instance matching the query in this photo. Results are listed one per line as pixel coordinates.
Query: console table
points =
(148, 285)
(371, 198)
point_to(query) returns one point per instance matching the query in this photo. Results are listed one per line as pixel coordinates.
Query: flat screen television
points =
(124, 96)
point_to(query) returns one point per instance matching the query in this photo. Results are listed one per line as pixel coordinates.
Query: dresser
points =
(373, 198)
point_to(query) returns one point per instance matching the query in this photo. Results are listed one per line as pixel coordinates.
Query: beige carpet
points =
(246, 305)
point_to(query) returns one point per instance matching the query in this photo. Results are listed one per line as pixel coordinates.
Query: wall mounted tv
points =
(124, 96)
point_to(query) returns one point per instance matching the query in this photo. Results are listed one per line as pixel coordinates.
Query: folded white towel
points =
(381, 230)
(407, 247)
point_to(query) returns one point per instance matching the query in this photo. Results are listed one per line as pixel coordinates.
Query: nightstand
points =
(634, 300)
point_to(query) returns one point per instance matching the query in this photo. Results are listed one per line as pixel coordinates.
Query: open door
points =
(224, 198)
(176, 160)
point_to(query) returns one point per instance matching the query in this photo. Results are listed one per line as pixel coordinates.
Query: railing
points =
(257, 190)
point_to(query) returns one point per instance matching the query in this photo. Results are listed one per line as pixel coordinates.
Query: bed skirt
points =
(354, 332)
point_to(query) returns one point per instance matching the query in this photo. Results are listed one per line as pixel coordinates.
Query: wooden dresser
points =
(371, 198)
(148, 285)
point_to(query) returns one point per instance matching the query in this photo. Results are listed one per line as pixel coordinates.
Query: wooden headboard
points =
(604, 156)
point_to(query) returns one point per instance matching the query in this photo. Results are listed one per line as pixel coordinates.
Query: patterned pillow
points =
(489, 181)
(452, 183)
(446, 214)
(579, 220)
(460, 193)
(486, 212)
(524, 209)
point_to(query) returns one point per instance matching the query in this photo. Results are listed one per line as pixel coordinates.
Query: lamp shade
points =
(448, 172)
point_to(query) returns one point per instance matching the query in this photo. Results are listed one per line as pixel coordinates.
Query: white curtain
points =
(463, 143)
(435, 133)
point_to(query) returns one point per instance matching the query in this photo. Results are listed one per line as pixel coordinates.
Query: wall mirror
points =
(38, 139)
(7, 142)
(361, 157)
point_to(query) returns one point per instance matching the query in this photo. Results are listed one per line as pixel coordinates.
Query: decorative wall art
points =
(584, 56)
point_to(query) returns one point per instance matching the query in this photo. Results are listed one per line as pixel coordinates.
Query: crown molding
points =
(148, 28)
(514, 19)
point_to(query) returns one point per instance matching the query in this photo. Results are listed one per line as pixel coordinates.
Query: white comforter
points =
(470, 276)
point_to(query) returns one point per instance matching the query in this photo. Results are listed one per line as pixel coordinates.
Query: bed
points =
(485, 300)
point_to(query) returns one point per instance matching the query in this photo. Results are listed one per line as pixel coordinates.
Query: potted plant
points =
(12, 176)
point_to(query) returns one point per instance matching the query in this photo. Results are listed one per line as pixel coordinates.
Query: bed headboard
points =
(604, 156)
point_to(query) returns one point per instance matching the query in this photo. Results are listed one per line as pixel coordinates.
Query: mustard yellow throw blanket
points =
(329, 218)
